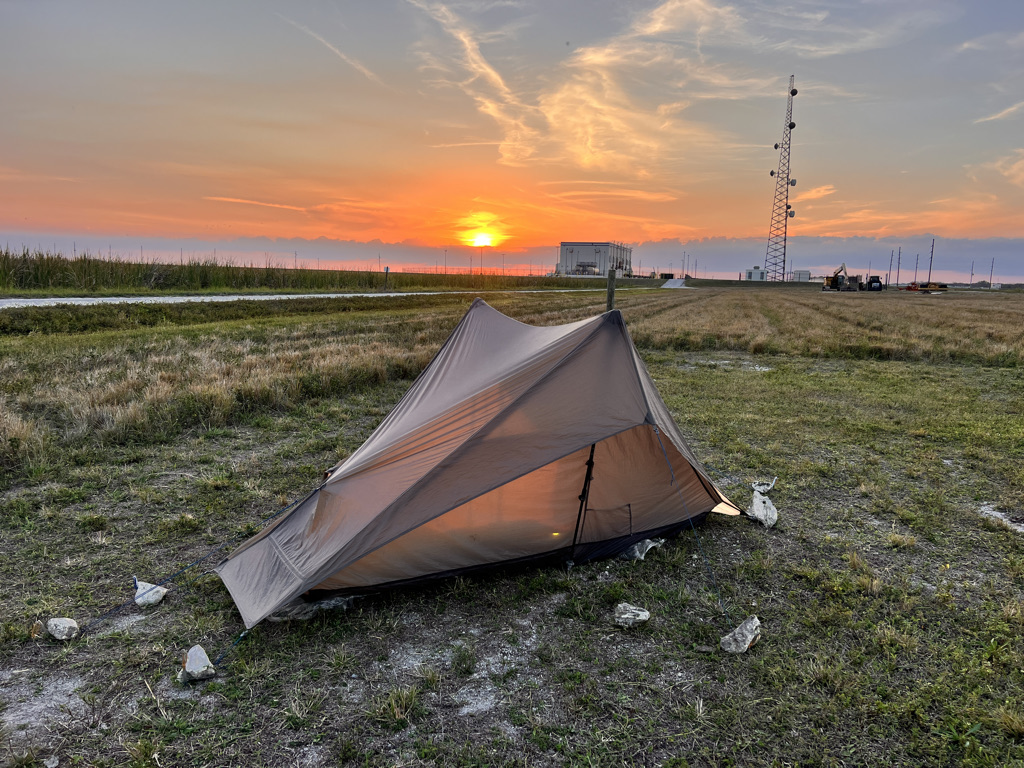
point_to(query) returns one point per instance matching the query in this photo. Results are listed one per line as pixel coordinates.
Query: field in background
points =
(892, 608)
(54, 274)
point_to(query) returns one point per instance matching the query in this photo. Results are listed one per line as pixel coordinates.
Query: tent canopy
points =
(484, 461)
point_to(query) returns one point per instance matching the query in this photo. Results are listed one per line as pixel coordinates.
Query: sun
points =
(482, 239)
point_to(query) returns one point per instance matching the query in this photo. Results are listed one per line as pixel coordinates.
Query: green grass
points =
(891, 610)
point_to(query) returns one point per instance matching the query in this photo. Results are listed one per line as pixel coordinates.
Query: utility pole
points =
(972, 274)
(898, 268)
(930, 257)
(991, 270)
(782, 211)
(917, 258)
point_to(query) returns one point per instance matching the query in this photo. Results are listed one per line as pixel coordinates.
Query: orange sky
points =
(427, 124)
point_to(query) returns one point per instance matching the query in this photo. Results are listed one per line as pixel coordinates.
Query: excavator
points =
(840, 281)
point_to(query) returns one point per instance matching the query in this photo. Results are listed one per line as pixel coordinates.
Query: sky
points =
(403, 132)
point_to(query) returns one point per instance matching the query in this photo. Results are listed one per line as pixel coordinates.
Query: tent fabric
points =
(483, 462)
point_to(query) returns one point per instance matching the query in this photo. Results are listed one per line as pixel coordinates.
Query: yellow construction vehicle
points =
(840, 280)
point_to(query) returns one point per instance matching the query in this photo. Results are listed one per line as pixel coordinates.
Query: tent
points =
(516, 442)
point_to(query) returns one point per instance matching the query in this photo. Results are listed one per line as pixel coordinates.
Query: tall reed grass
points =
(84, 273)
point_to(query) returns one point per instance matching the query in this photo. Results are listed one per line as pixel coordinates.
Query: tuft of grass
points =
(857, 562)
(1015, 566)
(1013, 611)
(303, 704)
(889, 637)
(1010, 721)
(143, 754)
(430, 677)
(93, 522)
(901, 541)
(397, 709)
(342, 659)
(463, 660)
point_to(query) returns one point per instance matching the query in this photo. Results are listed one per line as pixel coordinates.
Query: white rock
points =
(639, 550)
(148, 594)
(196, 665)
(744, 636)
(51, 762)
(62, 629)
(762, 509)
(627, 615)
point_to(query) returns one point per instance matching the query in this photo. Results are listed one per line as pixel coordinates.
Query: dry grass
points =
(890, 326)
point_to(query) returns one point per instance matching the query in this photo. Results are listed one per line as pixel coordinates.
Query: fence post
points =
(611, 290)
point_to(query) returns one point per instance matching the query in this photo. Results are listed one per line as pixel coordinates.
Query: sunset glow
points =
(402, 129)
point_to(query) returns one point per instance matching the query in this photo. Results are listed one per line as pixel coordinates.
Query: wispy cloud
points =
(845, 28)
(352, 62)
(1011, 167)
(256, 202)
(625, 194)
(486, 86)
(13, 174)
(1000, 115)
(814, 194)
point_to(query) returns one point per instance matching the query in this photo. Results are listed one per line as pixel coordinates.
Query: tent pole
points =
(584, 496)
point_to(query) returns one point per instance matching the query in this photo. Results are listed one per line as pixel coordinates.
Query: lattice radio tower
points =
(782, 211)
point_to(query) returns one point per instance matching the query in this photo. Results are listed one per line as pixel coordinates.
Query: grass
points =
(48, 273)
(891, 612)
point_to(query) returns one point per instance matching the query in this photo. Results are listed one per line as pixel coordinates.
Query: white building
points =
(756, 273)
(801, 275)
(595, 259)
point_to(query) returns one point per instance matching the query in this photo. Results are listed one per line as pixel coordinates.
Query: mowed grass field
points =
(892, 607)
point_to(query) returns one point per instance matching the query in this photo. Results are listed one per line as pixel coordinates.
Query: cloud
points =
(13, 174)
(256, 202)
(814, 194)
(818, 33)
(485, 86)
(1000, 115)
(356, 65)
(1012, 167)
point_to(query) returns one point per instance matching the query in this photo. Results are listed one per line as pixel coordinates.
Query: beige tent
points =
(515, 442)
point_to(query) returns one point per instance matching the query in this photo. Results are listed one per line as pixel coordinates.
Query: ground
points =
(891, 600)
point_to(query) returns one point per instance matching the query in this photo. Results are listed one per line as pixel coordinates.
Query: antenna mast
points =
(782, 211)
